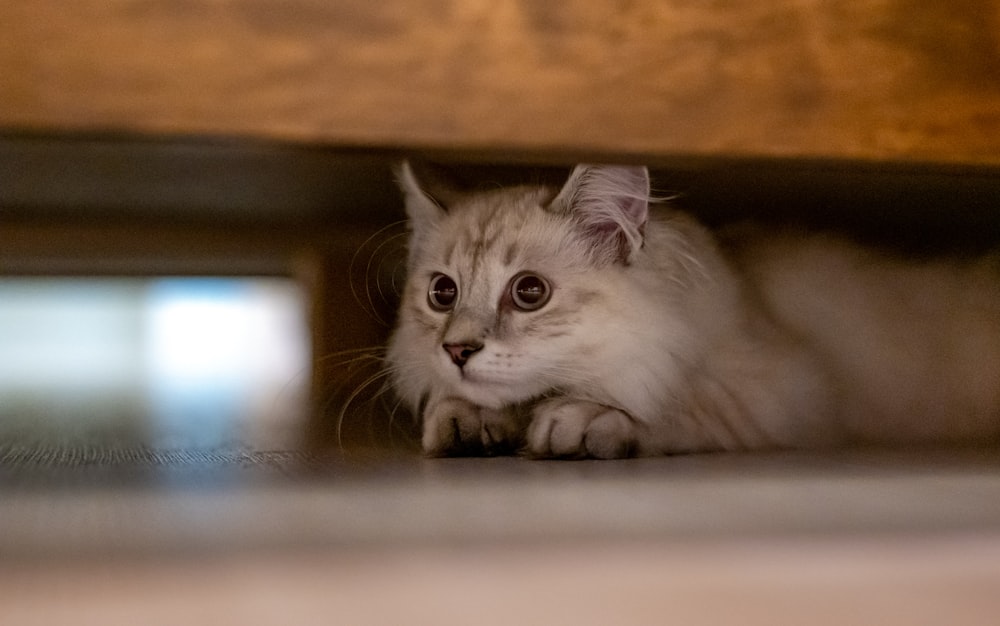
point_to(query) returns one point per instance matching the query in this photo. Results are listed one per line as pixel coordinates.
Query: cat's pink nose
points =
(461, 352)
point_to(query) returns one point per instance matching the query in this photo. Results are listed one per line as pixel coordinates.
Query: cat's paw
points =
(456, 427)
(565, 428)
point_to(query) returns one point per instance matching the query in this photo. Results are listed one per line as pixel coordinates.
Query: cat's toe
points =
(610, 436)
(451, 428)
(455, 427)
(443, 438)
(556, 430)
(498, 436)
(566, 437)
(566, 428)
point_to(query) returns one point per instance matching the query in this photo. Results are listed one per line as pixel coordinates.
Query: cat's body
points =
(577, 324)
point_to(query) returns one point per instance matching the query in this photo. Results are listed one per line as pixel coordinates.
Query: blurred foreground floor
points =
(256, 536)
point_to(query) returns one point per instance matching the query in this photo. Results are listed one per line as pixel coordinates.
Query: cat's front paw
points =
(456, 427)
(566, 428)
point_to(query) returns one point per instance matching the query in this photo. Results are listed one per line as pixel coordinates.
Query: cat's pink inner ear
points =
(611, 203)
(634, 201)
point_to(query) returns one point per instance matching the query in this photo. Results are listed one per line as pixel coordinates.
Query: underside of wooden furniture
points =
(909, 80)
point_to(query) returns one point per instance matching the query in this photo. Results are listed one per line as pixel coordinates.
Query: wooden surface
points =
(864, 538)
(893, 79)
(901, 582)
(157, 502)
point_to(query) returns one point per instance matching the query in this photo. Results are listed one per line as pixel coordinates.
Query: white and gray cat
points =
(581, 323)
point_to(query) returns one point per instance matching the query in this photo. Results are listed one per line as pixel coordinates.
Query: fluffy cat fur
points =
(656, 336)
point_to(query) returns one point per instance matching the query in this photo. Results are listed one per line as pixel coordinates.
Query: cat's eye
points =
(529, 292)
(442, 293)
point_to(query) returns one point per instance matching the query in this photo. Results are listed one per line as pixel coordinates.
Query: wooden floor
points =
(105, 534)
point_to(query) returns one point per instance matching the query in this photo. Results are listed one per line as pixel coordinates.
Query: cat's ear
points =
(427, 195)
(610, 204)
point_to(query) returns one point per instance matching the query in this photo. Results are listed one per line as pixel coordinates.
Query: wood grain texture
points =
(890, 79)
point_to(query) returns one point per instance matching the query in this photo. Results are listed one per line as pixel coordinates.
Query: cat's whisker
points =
(371, 309)
(394, 273)
(350, 357)
(379, 274)
(367, 349)
(396, 288)
(364, 385)
(347, 366)
(378, 376)
(393, 411)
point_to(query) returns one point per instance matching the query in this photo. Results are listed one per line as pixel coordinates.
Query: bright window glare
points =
(254, 330)
(69, 333)
(195, 360)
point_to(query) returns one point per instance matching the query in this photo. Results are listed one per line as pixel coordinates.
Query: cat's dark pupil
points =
(443, 292)
(530, 291)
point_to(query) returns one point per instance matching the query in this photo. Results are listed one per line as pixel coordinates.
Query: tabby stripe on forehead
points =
(490, 218)
(449, 253)
(510, 254)
(480, 247)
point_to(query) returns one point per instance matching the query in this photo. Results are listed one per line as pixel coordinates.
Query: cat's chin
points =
(491, 395)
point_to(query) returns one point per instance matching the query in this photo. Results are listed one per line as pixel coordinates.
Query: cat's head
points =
(509, 291)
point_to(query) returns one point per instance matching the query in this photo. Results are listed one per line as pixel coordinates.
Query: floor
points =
(105, 533)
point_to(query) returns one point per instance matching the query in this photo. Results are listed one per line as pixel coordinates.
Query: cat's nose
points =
(461, 352)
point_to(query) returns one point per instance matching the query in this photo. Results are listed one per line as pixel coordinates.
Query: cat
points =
(590, 321)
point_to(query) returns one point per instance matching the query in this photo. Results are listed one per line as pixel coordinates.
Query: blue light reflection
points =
(181, 361)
